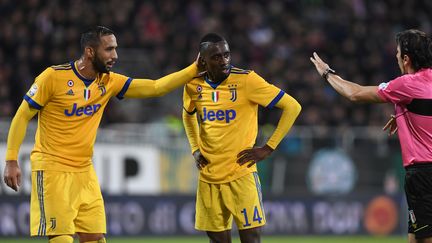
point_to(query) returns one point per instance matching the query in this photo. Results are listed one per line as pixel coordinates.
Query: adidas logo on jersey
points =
(70, 92)
(220, 115)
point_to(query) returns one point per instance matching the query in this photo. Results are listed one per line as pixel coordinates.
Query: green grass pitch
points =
(265, 239)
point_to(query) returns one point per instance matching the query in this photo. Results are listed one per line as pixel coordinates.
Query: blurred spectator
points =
(274, 37)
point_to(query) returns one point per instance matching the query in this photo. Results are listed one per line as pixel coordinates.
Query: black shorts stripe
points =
(420, 107)
(40, 195)
(259, 191)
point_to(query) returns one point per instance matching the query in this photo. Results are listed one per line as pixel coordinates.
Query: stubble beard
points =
(99, 65)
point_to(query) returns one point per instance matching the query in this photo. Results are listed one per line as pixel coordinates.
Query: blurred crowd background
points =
(275, 38)
(336, 148)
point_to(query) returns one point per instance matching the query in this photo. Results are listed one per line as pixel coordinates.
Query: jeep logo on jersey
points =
(79, 111)
(219, 115)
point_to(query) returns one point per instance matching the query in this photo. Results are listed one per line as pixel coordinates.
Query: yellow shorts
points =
(217, 204)
(66, 203)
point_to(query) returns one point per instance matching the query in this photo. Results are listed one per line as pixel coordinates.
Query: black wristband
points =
(326, 73)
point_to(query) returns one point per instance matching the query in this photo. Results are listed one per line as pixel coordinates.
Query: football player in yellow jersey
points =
(225, 101)
(70, 99)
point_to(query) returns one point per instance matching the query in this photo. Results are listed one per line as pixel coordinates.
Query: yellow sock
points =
(61, 239)
(97, 241)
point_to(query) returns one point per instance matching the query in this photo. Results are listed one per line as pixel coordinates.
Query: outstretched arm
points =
(290, 110)
(349, 90)
(17, 131)
(144, 88)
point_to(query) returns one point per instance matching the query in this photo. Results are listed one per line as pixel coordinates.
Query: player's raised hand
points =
(320, 65)
(200, 160)
(253, 155)
(12, 174)
(200, 65)
(391, 125)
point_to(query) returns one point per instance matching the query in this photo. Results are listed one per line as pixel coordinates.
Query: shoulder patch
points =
(65, 66)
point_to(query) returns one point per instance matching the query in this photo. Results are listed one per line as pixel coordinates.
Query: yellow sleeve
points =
(290, 110)
(41, 90)
(18, 129)
(190, 124)
(190, 121)
(143, 88)
(260, 91)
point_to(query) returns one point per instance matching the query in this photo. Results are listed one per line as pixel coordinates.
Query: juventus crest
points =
(233, 91)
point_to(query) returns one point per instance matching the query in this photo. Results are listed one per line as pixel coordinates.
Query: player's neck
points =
(214, 80)
(85, 69)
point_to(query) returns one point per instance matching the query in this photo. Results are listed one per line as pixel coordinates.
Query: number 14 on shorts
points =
(256, 216)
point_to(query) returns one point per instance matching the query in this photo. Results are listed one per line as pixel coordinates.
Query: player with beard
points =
(222, 141)
(70, 99)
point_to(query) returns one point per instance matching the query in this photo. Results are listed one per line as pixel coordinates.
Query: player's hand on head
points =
(253, 155)
(12, 174)
(200, 160)
(391, 125)
(200, 65)
(320, 65)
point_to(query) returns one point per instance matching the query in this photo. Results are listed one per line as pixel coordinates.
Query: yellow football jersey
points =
(70, 110)
(228, 116)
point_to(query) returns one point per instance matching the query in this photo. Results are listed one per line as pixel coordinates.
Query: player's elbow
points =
(296, 108)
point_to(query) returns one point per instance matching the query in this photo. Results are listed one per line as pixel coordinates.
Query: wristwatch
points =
(326, 73)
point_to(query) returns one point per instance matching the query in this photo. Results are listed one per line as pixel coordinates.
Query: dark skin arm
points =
(12, 174)
(200, 160)
(253, 155)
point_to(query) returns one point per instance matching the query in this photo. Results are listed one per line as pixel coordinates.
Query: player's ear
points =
(89, 51)
(406, 60)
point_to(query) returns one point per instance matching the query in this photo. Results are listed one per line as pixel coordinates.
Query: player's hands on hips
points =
(320, 65)
(253, 155)
(200, 161)
(12, 174)
(391, 125)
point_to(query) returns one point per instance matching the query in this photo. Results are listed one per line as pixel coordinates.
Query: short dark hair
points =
(417, 46)
(209, 38)
(92, 36)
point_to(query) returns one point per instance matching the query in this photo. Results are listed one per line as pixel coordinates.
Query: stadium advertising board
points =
(174, 215)
(112, 163)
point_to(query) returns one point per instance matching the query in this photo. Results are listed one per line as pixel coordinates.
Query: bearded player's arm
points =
(144, 88)
(17, 132)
